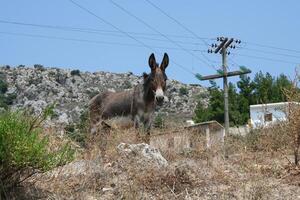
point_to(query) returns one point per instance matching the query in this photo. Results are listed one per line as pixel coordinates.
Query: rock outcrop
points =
(70, 90)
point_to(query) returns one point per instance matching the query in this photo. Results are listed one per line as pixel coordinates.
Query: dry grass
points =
(257, 168)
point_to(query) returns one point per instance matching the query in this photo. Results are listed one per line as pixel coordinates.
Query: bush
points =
(8, 99)
(75, 72)
(159, 121)
(202, 113)
(39, 67)
(3, 86)
(127, 84)
(24, 151)
(183, 91)
(78, 132)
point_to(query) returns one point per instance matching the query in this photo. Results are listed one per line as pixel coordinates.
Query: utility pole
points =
(225, 88)
(225, 43)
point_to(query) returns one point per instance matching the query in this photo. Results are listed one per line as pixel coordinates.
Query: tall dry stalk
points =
(293, 97)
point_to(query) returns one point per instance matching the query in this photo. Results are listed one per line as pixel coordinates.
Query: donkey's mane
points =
(148, 93)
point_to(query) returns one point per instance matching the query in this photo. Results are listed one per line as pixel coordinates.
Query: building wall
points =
(258, 113)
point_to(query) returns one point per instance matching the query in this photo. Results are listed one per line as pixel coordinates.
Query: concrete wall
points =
(205, 135)
(240, 130)
(257, 114)
(177, 141)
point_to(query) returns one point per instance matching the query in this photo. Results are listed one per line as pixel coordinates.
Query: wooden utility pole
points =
(222, 48)
(225, 88)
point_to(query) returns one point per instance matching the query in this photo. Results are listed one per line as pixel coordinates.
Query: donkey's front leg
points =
(147, 125)
(137, 121)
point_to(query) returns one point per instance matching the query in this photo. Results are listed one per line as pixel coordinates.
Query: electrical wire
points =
(264, 58)
(125, 33)
(92, 31)
(84, 40)
(154, 29)
(269, 52)
(181, 25)
(272, 47)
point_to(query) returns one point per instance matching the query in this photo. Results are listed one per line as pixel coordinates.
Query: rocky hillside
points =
(36, 87)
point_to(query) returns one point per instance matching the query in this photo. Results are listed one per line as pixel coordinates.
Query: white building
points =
(263, 115)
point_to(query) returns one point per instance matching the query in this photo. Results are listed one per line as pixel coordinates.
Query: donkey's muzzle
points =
(160, 100)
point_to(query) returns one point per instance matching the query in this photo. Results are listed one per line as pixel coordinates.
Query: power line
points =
(180, 24)
(269, 52)
(117, 34)
(272, 47)
(92, 31)
(84, 40)
(264, 58)
(120, 30)
(154, 29)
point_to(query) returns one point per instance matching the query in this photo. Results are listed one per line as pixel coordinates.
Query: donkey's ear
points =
(165, 62)
(152, 62)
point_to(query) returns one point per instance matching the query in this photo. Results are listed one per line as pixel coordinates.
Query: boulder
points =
(142, 155)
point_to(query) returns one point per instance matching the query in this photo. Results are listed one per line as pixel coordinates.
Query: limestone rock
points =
(38, 87)
(141, 154)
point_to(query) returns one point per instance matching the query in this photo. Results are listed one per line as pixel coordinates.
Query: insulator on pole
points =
(221, 45)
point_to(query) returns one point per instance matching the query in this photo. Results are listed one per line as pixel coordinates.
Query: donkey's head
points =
(156, 80)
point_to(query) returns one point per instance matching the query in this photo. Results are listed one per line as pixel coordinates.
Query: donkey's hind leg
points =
(137, 126)
(137, 121)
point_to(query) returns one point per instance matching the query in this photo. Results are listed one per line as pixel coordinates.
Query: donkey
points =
(138, 103)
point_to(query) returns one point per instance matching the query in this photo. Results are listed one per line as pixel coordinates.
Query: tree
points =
(202, 113)
(263, 89)
(279, 85)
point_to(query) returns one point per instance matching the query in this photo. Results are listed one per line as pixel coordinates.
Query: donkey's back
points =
(110, 104)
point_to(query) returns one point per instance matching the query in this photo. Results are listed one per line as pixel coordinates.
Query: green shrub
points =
(202, 113)
(159, 121)
(75, 72)
(39, 67)
(76, 135)
(127, 84)
(3, 86)
(78, 132)
(183, 91)
(24, 150)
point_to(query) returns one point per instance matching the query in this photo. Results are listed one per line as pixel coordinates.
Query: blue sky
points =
(272, 23)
